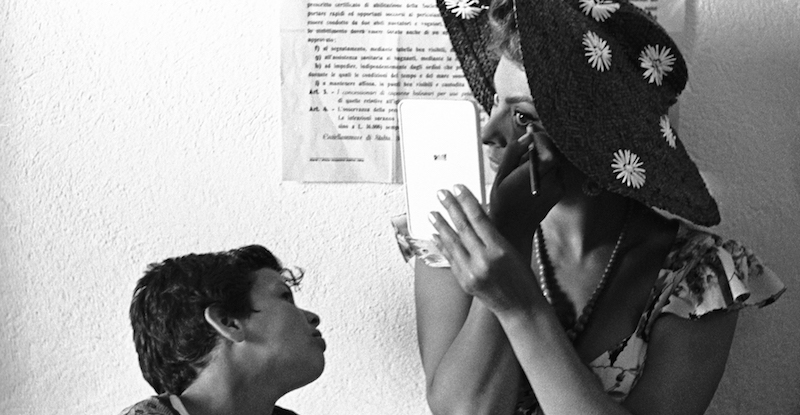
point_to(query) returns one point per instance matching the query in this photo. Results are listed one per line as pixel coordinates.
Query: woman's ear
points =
(227, 326)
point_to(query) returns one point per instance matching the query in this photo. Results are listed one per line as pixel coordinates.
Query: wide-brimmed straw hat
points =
(603, 75)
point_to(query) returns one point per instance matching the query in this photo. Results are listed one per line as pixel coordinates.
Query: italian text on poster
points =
(346, 64)
(669, 13)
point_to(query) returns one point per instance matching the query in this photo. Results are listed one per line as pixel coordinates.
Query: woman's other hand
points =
(513, 208)
(485, 264)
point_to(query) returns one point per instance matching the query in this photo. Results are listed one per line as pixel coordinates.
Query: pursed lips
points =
(318, 336)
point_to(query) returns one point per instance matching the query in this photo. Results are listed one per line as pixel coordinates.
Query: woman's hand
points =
(483, 261)
(514, 209)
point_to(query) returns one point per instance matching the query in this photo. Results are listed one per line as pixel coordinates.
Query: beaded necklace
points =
(558, 299)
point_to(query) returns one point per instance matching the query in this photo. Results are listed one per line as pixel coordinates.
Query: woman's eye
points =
(522, 119)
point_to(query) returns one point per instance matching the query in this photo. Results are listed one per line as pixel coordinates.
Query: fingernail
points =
(431, 217)
(528, 133)
(457, 190)
(441, 194)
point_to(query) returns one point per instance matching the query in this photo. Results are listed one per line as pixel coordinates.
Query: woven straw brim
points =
(593, 114)
(472, 46)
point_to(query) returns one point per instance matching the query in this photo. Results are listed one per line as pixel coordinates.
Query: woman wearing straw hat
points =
(581, 298)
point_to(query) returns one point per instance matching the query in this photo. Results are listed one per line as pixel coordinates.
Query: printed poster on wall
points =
(670, 13)
(346, 64)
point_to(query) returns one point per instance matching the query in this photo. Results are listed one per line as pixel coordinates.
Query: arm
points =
(685, 362)
(469, 365)
(562, 383)
(678, 379)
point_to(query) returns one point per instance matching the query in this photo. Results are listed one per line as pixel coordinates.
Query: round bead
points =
(586, 313)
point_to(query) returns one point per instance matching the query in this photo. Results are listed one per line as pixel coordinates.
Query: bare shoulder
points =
(685, 358)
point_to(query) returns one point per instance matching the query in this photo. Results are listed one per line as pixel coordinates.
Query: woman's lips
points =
(494, 164)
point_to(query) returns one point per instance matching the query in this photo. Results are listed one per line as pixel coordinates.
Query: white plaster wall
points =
(741, 117)
(134, 131)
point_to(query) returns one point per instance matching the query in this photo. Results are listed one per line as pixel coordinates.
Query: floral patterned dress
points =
(702, 273)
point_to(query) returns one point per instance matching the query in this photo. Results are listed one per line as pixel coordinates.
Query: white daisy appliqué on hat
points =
(597, 50)
(666, 131)
(628, 168)
(599, 9)
(465, 9)
(656, 62)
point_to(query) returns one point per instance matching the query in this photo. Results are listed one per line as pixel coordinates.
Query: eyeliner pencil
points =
(533, 168)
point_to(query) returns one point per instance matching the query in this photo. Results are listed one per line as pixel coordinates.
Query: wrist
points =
(514, 316)
(535, 326)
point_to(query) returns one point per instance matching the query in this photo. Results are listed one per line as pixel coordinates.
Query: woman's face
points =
(512, 112)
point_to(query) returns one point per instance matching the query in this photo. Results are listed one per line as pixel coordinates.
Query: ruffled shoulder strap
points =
(703, 273)
(412, 248)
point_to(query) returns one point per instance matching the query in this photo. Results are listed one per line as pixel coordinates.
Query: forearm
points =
(479, 373)
(562, 383)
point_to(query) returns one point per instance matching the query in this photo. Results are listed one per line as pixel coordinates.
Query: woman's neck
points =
(580, 224)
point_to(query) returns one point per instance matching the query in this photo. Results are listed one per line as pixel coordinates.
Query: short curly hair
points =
(170, 333)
